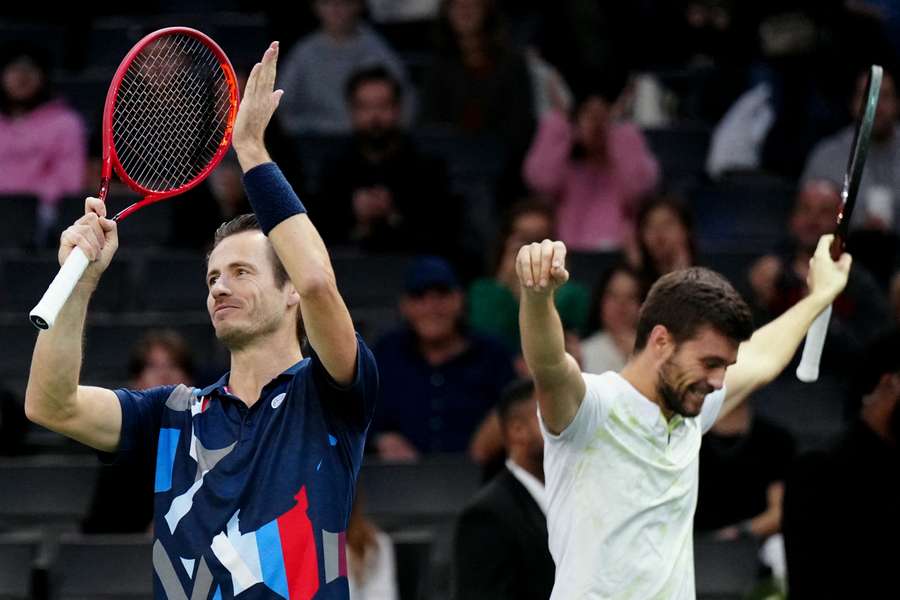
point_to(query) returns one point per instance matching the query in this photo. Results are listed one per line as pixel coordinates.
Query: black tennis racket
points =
(808, 369)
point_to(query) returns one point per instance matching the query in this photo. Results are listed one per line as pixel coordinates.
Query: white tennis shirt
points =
(621, 488)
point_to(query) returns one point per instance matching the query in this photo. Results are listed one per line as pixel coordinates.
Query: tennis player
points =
(621, 449)
(255, 474)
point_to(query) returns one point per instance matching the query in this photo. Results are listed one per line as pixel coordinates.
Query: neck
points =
(256, 364)
(624, 340)
(641, 371)
(340, 36)
(522, 460)
(439, 350)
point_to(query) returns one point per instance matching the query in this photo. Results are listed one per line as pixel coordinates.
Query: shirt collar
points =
(647, 412)
(220, 385)
(532, 484)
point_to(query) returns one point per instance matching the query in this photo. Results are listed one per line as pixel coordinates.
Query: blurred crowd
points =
(453, 132)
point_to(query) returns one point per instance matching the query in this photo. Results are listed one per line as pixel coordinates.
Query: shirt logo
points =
(277, 400)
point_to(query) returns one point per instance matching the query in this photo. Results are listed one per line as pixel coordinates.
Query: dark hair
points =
(375, 74)
(682, 212)
(687, 300)
(41, 58)
(514, 394)
(493, 30)
(606, 84)
(594, 323)
(513, 214)
(248, 222)
(168, 339)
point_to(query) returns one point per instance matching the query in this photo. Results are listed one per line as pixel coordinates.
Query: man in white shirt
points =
(500, 545)
(622, 449)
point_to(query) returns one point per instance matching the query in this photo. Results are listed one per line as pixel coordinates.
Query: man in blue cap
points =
(438, 379)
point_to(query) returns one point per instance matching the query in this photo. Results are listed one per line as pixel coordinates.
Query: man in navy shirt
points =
(255, 474)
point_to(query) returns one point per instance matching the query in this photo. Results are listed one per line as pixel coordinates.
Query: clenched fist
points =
(541, 267)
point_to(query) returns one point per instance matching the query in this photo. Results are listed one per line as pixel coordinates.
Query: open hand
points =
(258, 104)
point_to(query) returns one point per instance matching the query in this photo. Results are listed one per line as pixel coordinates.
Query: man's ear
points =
(661, 343)
(293, 295)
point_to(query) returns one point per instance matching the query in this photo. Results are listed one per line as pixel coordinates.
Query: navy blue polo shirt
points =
(438, 407)
(253, 502)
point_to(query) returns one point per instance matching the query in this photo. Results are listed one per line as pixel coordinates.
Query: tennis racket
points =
(167, 123)
(808, 369)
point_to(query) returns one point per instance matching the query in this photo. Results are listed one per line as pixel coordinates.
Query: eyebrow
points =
(232, 265)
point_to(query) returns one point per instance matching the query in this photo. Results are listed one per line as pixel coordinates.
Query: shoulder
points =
(492, 499)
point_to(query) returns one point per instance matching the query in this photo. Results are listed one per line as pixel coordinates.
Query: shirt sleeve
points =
(352, 404)
(591, 414)
(141, 418)
(712, 404)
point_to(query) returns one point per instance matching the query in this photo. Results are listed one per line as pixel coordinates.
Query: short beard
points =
(238, 338)
(672, 398)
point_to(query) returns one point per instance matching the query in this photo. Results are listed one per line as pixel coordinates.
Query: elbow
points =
(316, 282)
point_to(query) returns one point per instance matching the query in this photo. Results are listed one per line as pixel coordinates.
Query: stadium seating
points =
(18, 232)
(107, 567)
(433, 490)
(740, 212)
(17, 555)
(45, 491)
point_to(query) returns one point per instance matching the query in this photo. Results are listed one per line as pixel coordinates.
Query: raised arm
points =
(765, 355)
(284, 220)
(559, 385)
(53, 398)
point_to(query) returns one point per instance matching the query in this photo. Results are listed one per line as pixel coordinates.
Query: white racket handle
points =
(808, 369)
(44, 314)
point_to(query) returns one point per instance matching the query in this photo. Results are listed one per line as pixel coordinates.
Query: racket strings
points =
(171, 112)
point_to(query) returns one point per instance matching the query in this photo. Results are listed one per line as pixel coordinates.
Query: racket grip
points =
(808, 369)
(44, 314)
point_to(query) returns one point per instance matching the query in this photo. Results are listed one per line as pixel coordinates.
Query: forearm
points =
(543, 339)
(251, 156)
(56, 362)
(774, 345)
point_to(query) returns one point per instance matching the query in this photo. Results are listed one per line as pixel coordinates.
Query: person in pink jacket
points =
(594, 168)
(43, 145)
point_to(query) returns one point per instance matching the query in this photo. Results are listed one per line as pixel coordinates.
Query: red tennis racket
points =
(167, 123)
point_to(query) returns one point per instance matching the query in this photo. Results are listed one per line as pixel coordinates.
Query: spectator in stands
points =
(43, 143)
(594, 168)
(494, 301)
(438, 380)
(778, 279)
(613, 321)
(500, 548)
(841, 517)
(743, 463)
(382, 194)
(879, 191)
(665, 238)
(478, 82)
(160, 357)
(316, 70)
(220, 198)
(371, 565)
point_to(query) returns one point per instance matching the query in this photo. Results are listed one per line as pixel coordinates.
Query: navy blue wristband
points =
(271, 196)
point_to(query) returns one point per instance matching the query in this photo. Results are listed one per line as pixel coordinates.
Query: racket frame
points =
(110, 157)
